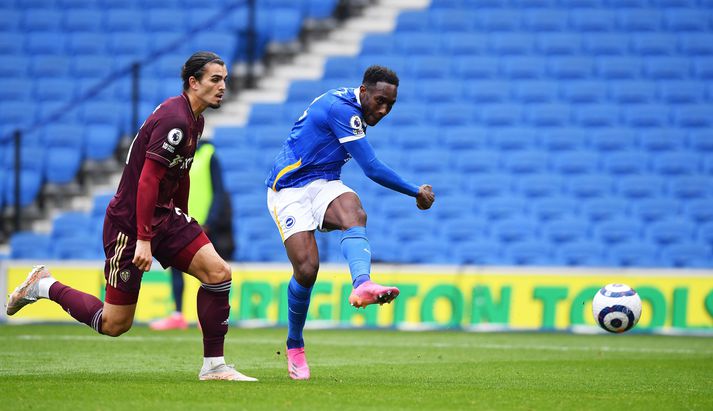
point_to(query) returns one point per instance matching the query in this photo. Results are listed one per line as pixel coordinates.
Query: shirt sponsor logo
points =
(175, 136)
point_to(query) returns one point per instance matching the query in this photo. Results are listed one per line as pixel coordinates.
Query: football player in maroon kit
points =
(149, 218)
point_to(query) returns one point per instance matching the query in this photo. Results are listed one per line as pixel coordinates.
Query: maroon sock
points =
(213, 311)
(84, 307)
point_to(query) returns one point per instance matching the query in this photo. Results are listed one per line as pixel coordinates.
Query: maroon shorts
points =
(175, 243)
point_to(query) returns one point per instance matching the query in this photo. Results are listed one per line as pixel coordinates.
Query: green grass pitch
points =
(66, 367)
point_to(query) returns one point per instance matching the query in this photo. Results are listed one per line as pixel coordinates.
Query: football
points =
(616, 308)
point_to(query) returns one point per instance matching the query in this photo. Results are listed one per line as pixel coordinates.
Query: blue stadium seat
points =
(586, 19)
(500, 115)
(30, 183)
(562, 139)
(286, 24)
(417, 44)
(538, 185)
(634, 254)
(505, 43)
(639, 187)
(101, 141)
(655, 209)
(451, 21)
(99, 204)
(670, 231)
(453, 114)
(606, 44)
(467, 228)
(667, 68)
(78, 248)
(583, 253)
(546, 19)
(679, 92)
(609, 140)
(705, 233)
(464, 44)
(689, 187)
(412, 21)
(604, 208)
(426, 160)
(696, 44)
(575, 162)
(492, 19)
(525, 161)
(70, 224)
(476, 67)
(583, 91)
(83, 20)
(439, 91)
(676, 163)
(164, 19)
(425, 251)
(633, 91)
(128, 43)
(25, 245)
(640, 19)
(548, 115)
(500, 208)
(597, 115)
(565, 230)
(700, 210)
(377, 45)
(653, 44)
(92, 68)
(126, 20)
(512, 139)
(477, 252)
(693, 115)
(686, 20)
(45, 42)
(515, 229)
(520, 67)
(41, 19)
(662, 140)
(617, 230)
(489, 185)
(615, 67)
(10, 21)
(53, 89)
(589, 186)
(558, 43)
(64, 136)
(529, 253)
(703, 68)
(62, 165)
(535, 91)
(579, 67)
(87, 43)
(476, 161)
(482, 91)
(47, 65)
(648, 115)
(687, 254)
(625, 162)
(428, 67)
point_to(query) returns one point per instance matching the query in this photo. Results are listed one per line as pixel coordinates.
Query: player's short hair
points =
(376, 73)
(195, 65)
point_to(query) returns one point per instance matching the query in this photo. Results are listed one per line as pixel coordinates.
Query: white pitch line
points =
(333, 342)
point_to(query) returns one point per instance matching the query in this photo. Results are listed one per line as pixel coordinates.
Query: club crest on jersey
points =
(289, 222)
(175, 136)
(357, 125)
(124, 275)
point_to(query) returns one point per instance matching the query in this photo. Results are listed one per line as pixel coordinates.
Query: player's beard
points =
(214, 106)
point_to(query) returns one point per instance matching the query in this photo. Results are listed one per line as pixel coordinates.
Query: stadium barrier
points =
(468, 298)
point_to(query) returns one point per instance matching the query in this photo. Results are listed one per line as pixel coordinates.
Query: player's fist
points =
(425, 197)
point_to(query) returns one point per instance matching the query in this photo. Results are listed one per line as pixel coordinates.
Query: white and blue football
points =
(616, 308)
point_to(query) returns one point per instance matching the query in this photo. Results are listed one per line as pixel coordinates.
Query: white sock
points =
(44, 286)
(212, 362)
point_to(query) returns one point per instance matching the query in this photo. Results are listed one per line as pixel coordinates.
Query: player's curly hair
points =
(195, 65)
(376, 73)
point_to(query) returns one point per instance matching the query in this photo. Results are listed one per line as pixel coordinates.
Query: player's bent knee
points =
(115, 329)
(220, 274)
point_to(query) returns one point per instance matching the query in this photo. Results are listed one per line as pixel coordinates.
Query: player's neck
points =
(195, 104)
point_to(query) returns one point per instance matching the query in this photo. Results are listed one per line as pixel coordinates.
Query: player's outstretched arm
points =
(376, 170)
(425, 197)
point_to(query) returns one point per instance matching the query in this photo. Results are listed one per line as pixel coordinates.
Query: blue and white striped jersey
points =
(314, 148)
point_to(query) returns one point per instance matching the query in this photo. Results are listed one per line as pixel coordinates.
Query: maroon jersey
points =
(169, 136)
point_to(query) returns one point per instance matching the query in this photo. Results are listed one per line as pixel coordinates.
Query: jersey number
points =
(186, 216)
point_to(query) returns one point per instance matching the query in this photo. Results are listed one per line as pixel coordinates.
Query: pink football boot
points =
(372, 293)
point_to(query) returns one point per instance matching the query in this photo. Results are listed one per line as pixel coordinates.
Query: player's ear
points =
(193, 83)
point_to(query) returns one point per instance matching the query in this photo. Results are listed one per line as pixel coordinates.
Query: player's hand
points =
(425, 197)
(142, 255)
